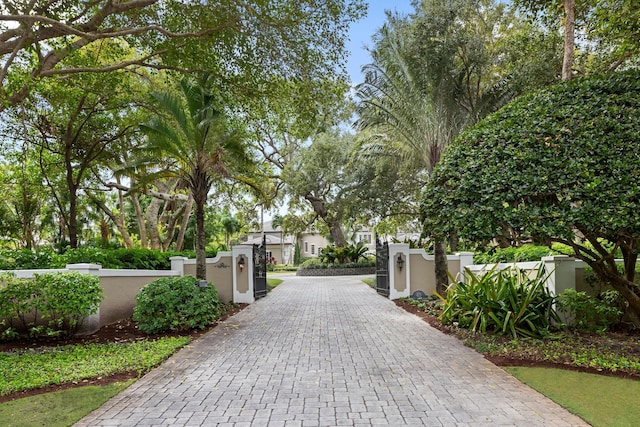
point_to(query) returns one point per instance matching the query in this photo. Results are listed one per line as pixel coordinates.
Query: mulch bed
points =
(121, 331)
(600, 340)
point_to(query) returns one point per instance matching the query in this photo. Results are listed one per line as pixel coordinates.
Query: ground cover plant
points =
(506, 302)
(616, 352)
(34, 368)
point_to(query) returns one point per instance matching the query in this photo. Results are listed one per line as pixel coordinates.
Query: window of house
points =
(313, 249)
(365, 238)
(306, 247)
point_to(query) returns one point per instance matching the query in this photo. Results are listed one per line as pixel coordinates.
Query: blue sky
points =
(361, 32)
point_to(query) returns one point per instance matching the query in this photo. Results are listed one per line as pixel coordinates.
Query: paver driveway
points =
(328, 352)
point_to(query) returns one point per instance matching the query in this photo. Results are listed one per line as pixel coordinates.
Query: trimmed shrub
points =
(121, 258)
(175, 304)
(49, 304)
(314, 263)
(505, 302)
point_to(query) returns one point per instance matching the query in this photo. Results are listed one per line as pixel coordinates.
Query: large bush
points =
(557, 165)
(48, 304)
(502, 301)
(175, 304)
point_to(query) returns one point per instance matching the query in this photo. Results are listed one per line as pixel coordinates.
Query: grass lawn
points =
(57, 409)
(371, 281)
(272, 283)
(599, 400)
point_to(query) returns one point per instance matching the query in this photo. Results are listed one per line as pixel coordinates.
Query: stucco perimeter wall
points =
(422, 270)
(120, 288)
(219, 272)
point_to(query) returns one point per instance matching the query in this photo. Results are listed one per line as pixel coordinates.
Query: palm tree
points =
(420, 91)
(193, 141)
(406, 115)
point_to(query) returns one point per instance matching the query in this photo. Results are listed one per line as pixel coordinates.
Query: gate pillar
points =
(243, 271)
(399, 271)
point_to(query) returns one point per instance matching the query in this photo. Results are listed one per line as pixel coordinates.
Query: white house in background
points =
(281, 247)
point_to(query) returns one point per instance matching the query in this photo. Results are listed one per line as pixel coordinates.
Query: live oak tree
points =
(254, 47)
(558, 165)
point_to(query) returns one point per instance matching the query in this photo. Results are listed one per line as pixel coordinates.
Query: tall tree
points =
(320, 177)
(434, 74)
(194, 142)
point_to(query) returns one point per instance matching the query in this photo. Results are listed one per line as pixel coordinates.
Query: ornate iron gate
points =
(382, 268)
(260, 269)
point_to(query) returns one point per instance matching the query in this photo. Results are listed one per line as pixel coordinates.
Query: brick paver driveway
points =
(328, 352)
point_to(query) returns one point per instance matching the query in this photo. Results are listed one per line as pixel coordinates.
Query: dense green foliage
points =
(175, 304)
(586, 313)
(552, 164)
(503, 301)
(46, 258)
(343, 255)
(31, 369)
(315, 263)
(49, 304)
(512, 254)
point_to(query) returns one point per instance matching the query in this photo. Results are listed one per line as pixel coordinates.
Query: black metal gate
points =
(382, 268)
(260, 269)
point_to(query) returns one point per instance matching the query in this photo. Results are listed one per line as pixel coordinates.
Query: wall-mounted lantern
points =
(241, 262)
(400, 262)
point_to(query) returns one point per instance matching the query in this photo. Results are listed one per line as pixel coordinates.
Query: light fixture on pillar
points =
(400, 262)
(241, 262)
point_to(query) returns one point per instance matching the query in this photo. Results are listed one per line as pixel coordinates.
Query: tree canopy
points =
(259, 47)
(558, 165)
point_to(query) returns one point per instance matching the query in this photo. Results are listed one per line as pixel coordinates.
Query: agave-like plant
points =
(504, 301)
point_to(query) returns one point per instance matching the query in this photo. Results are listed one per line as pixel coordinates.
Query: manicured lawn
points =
(599, 400)
(57, 409)
(272, 283)
(370, 281)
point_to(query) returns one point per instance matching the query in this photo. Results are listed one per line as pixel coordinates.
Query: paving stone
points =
(327, 352)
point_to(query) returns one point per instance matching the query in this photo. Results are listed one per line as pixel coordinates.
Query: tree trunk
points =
(184, 224)
(569, 38)
(151, 217)
(201, 255)
(440, 259)
(72, 226)
(453, 241)
(337, 234)
(142, 226)
(118, 220)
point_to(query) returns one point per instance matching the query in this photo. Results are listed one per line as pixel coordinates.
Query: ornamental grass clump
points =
(175, 304)
(506, 302)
